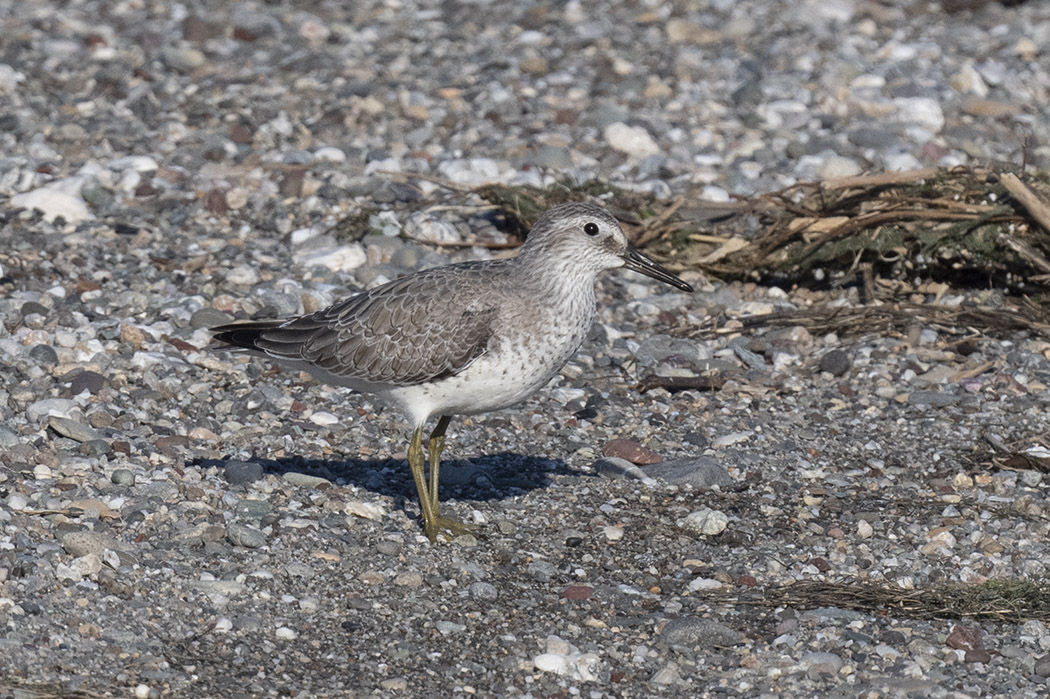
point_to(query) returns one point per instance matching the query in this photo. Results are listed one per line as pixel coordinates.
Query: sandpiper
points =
(462, 339)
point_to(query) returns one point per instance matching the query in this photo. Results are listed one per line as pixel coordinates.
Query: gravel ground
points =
(179, 522)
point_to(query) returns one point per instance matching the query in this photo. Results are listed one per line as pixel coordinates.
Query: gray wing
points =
(415, 329)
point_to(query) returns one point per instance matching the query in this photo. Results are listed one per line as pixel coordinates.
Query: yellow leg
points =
(433, 523)
(437, 445)
(415, 463)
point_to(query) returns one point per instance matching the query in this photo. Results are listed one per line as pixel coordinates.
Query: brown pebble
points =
(577, 592)
(632, 451)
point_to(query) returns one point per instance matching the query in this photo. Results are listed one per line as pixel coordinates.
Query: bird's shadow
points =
(488, 477)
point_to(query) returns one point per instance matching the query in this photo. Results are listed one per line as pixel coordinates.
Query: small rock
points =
(836, 362)
(242, 472)
(83, 543)
(730, 439)
(631, 451)
(634, 141)
(706, 522)
(283, 633)
(44, 355)
(243, 535)
(621, 468)
(702, 472)
(324, 418)
(122, 476)
(60, 407)
(304, 480)
(343, 258)
(72, 429)
(483, 590)
(209, 317)
(821, 663)
(89, 381)
(836, 167)
(667, 675)
(935, 399)
(1042, 666)
(52, 203)
(364, 510)
(693, 630)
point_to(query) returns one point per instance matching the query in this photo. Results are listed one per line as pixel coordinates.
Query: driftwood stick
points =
(882, 178)
(1029, 199)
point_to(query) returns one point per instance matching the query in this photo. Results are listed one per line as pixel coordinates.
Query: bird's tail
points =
(244, 334)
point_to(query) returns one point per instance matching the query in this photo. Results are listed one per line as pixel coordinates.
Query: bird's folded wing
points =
(410, 331)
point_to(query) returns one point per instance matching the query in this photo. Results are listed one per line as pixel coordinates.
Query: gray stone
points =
(543, 571)
(83, 543)
(72, 429)
(934, 399)
(700, 472)
(483, 591)
(836, 362)
(8, 437)
(615, 467)
(252, 509)
(305, 480)
(89, 381)
(242, 472)
(693, 630)
(209, 317)
(44, 355)
(243, 535)
(49, 406)
(122, 476)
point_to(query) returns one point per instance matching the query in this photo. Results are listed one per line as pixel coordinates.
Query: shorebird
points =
(462, 339)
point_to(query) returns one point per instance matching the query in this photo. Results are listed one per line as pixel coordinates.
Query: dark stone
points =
(702, 472)
(243, 472)
(87, 380)
(43, 354)
(836, 362)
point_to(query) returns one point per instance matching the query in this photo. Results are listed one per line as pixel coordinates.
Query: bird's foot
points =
(454, 528)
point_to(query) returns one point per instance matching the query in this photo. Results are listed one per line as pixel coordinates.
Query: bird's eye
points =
(591, 228)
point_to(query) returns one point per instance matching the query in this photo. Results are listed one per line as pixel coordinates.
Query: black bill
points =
(636, 261)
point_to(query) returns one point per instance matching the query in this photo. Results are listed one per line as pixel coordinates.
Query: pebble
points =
(57, 407)
(705, 522)
(243, 535)
(692, 630)
(341, 258)
(631, 451)
(324, 418)
(52, 204)
(72, 429)
(616, 467)
(305, 480)
(633, 141)
(242, 472)
(836, 362)
(84, 543)
(701, 472)
(934, 399)
(482, 590)
(123, 477)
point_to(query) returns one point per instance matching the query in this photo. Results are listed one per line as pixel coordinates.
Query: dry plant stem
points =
(1039, 209)
(883, 178)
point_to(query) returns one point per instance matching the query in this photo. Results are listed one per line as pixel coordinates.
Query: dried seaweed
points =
(898, 318)
(938, 221)
(1001, 600)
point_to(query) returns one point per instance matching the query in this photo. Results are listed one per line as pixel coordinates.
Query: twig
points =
(673, 384)
(882, 178)
(1029, 199)
(1025, 250)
